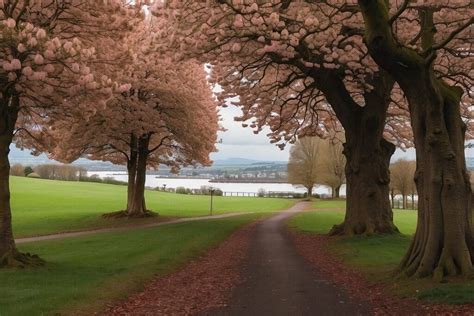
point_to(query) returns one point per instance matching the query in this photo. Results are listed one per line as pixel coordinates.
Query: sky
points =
(240, 142)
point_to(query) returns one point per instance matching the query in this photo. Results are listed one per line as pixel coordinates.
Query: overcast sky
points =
(240, 142)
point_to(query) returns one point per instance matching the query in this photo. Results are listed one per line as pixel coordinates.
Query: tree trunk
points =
(443, 243)
(132, 170)
(338, 190)
(310, 192)
(368, 154)
(368, 208)
(137, 206)
(413, 201)
(9, 255)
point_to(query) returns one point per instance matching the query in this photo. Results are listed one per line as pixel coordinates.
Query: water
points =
(154, 182)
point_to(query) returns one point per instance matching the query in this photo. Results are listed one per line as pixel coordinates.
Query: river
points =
(190, 183)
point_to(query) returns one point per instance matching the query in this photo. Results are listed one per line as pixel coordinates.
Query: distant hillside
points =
(243, 162)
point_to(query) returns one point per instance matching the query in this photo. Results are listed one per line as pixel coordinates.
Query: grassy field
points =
(84, 274)
(379, 256)
(44, 206)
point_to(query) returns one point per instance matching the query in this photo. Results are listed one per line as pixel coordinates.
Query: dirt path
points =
(119, 229)
(280, 282)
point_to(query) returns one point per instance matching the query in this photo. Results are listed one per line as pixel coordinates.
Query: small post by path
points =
(212, 195)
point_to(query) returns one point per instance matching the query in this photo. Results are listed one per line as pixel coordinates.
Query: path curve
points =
(126, 228)
(280, 282)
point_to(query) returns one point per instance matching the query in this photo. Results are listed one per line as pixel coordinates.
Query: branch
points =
(399, 12)
(453, 35)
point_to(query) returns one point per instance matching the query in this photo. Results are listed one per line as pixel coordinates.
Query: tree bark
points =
(137, 206)
(368, 154)
(9, 255)
(132, 170)
(443, 244)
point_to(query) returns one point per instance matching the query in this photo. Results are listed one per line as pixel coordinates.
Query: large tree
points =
(164, 115)
(422, 45)
(44, 66)
(284, 62)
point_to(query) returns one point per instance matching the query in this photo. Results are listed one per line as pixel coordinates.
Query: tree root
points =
(126, 214)
(16, 259)
(344, 229)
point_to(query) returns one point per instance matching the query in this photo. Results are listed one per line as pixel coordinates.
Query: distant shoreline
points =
(248, 181)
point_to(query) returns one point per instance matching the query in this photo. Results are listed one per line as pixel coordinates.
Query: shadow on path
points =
(280, 282)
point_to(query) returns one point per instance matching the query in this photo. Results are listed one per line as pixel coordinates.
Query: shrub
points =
(17, 170)
(34, 175)
(181, 190)
(28, 170)
(261, 193)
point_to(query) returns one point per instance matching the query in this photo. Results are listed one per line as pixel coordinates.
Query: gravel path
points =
(119, 229)
(280, 282)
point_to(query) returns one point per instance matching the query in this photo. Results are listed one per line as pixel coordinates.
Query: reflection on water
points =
(153, 181)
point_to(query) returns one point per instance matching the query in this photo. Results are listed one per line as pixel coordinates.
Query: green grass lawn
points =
(44, 206)
(379, 256)
(84, 274)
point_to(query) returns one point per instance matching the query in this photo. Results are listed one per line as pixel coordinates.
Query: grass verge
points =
(378, 257)
(84, 274)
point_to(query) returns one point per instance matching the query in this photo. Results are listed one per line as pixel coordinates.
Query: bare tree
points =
(332, 163)
(303, 164)
(402, 173)
(17, 170)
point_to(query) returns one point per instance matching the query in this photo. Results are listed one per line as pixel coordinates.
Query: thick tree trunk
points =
(9, 255)
(443, 243)
(368, 154)
(368, 204)
(137, 206)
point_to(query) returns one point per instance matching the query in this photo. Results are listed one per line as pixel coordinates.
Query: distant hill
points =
(243, 162)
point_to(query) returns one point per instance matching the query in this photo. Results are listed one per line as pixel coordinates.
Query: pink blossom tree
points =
(45, 65)
(164, 115)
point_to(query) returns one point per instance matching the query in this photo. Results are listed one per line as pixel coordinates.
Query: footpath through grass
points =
(84, 274)
(44, 206)
(379, 256)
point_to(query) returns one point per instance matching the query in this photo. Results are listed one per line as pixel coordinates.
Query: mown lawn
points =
(84, 274)
(379, 256)
(45, 207)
